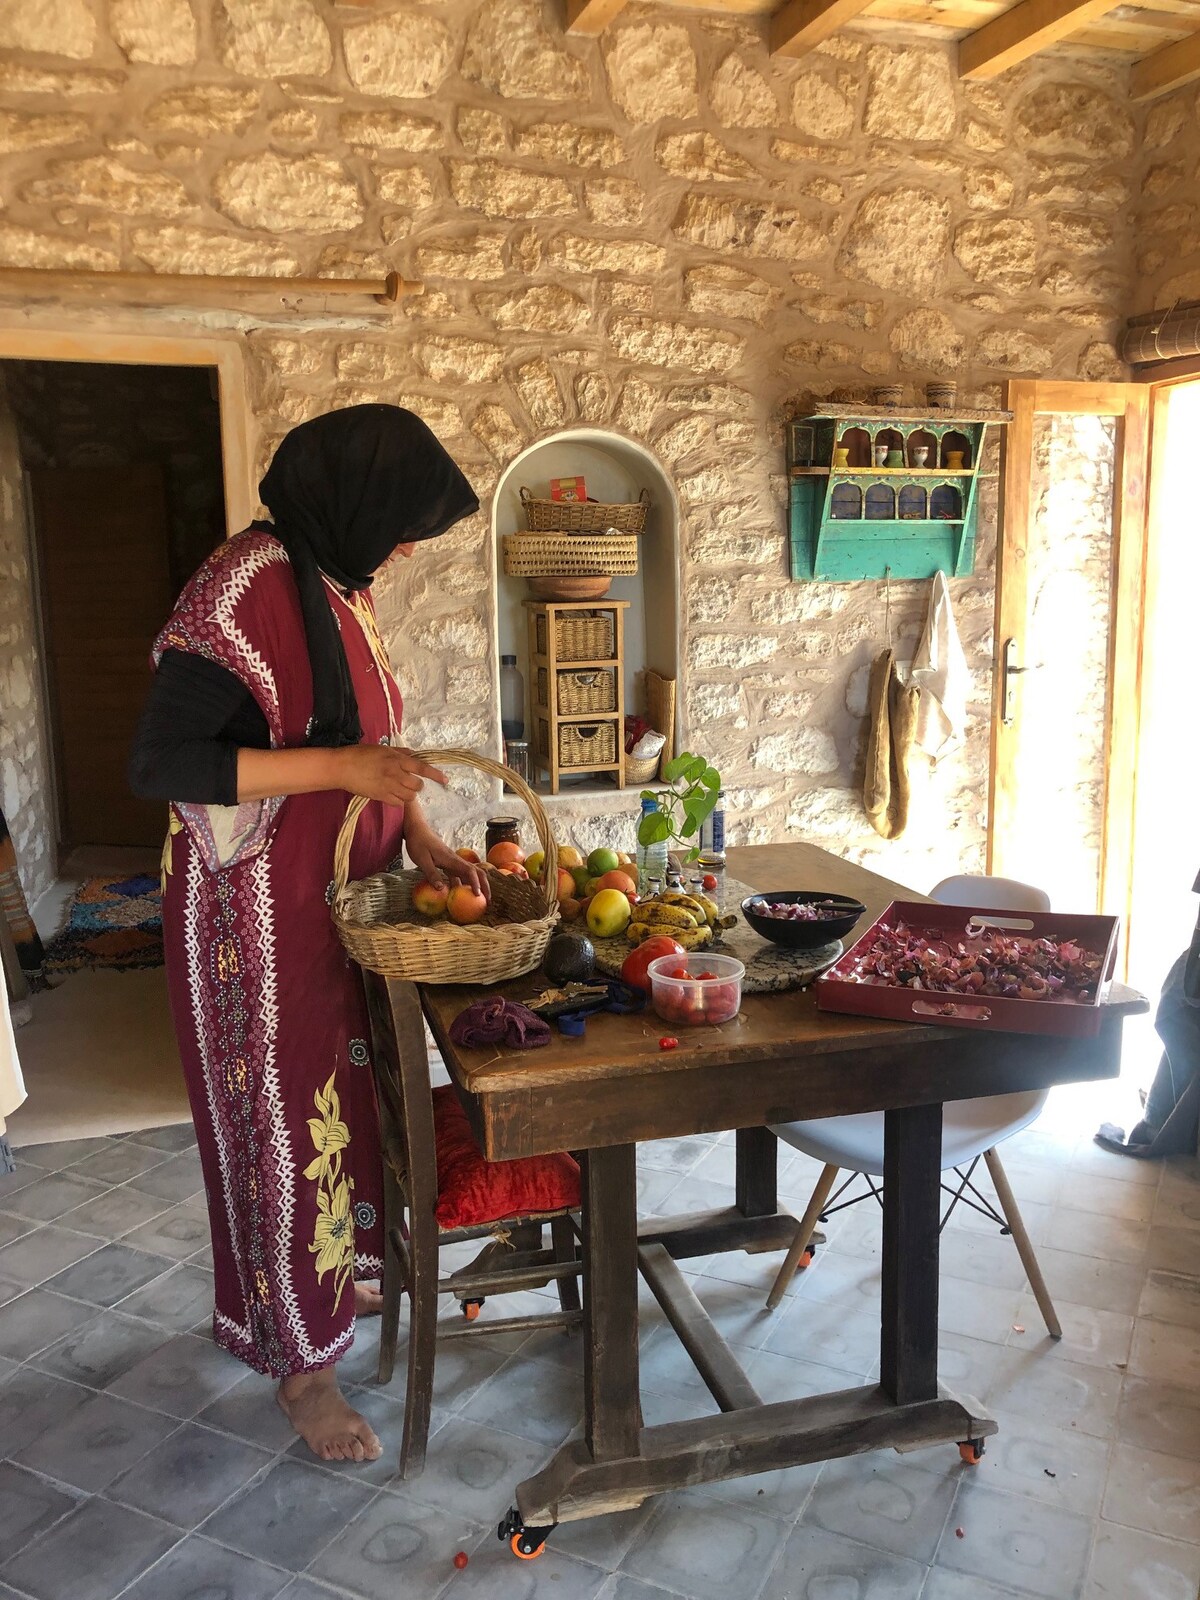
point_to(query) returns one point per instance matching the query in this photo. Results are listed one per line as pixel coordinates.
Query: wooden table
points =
(779, 1061)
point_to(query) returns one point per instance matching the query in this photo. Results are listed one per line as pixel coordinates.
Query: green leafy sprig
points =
(684, 806)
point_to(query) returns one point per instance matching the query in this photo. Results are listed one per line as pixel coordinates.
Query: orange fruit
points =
(506, 854)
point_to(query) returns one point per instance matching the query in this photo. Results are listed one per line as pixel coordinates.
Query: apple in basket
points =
(429, 899)
(464, 905)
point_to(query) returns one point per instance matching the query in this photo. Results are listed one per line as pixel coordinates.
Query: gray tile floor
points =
(140, 1461)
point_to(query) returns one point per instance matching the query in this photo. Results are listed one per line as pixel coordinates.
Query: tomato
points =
(633, 969)
(668, 1044)
(680, 972)
(720, 1002)
(708, 882)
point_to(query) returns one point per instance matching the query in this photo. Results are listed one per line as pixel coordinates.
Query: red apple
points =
(429, 899)
(464, 905)
(617, 880)
(469, 855)
(566, 886)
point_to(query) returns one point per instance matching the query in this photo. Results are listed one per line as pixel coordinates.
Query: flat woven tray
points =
(770, 969)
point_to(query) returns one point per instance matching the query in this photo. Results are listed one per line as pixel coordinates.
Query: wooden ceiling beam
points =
(801, 25)
(592, 16)
(1168, 68)
(1020, 33)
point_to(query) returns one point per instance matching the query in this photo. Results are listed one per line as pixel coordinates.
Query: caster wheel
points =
(971, 1451)
(523, 1548)
(525, 1543)
(471, 1309)
(807, 1259)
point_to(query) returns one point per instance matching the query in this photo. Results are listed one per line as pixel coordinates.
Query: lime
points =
(602, 861)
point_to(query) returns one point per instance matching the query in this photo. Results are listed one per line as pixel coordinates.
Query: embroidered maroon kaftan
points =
(269, 1011)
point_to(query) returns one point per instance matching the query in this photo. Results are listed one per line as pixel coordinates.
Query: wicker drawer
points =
(583, 693)
(582, 636)
(587, 746)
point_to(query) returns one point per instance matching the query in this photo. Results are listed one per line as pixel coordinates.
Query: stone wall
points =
(24, 776)
(1168, 213)
(663, 232)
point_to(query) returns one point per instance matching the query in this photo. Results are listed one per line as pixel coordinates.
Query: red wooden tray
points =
(839, 990)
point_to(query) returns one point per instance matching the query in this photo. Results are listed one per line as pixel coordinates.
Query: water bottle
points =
(512, 699)
(712, 830)
(651, 858)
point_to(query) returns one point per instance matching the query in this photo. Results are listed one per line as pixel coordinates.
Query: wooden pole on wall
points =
(193, 288)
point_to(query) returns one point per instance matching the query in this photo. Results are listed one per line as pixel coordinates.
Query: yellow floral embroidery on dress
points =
(174, 826)
(333, 1240)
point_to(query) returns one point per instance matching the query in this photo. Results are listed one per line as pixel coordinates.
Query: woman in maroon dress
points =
(274, 702)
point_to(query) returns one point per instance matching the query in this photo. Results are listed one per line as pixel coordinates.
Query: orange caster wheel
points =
(806, 1260)
(471, 1309)
(517, 1544)
(971, 1451)
(525, 1543)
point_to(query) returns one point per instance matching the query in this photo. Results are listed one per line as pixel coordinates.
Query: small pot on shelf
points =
(941, 395)
(573, 587)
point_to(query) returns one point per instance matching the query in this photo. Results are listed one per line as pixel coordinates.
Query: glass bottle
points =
(512, 699)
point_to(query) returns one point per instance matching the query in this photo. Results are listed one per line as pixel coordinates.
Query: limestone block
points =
(720, 399)
(362, 359)
(1163, 178)
(729, 650)
(898, 240)
(405, 55)
(294, 128)
(288, 194)
(708, 485)
(737, 433)
(18, 77)
(159, 31)
(458, 634)
(757, 227)
(722, 703)
(702, 158)
(498, 432)
(825, 308)
(395, 226)
(467, 686)
(711, 599)
(637, 406)
(740, 96)
(576, 253)
(571, 144)
(292, 358)
(827, 813)
(482, 131)
(405, 186)
(802, 602)
(31, 130)
(109, 183)
(717, 291)
(1079, 233)
(311, 93)
(27, 247)
(442, 416)
(980, 136)
(459, 360)
(202, 110)
(825, 190)
(798, 155)
(819, 108)
(1100, 363)
(268, 38)
(1000, 251)
(683, 438)
(512, 52)
(807, 750)
(538, 391)
(202, 250)
(344, 261)
(390, 130)
(824, 353)
(525, 251)
(614, 202)
(1185, 286)
(503, 191)
(1012, 350)
(49, 27)
(651, 70)
(926, 340)
(788, 704)
(593, 396)
(1165, 121)
(545, 308)
(479, 256)
(1075, 118)
(988, 188)
(910, 93)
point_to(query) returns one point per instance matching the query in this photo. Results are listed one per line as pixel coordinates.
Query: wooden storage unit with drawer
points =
(577, 685)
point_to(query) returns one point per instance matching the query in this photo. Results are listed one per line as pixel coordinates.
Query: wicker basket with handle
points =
(584, 516)
(376, 922)
(546, 555)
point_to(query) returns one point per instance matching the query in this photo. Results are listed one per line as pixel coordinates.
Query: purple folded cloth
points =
(497, 1021)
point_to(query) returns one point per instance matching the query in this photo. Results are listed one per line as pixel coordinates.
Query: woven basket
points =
(584, 516)
(587, 747)
(582, 693)
(585, 636)
(547, 555)
(376, 922)
(641, 771)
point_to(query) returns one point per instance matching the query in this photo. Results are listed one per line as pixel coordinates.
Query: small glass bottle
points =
(501, 830)
(512, 699)
(708, 875)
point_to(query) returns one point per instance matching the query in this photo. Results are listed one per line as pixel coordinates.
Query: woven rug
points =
(115, 923)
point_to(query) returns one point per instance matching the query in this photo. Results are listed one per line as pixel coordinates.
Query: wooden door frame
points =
(1130, 404)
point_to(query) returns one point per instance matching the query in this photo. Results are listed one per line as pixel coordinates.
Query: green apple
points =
(602, 861)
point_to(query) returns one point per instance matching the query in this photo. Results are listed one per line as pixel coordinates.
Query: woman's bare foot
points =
(368, 1302)
(325, 1419)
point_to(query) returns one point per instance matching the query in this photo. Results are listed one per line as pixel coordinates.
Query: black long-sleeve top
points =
(195, 719)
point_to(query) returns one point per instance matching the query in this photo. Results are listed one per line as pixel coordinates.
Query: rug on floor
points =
(111, 922)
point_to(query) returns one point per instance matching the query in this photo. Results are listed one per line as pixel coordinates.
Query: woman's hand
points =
(433, 857)
(384, 772)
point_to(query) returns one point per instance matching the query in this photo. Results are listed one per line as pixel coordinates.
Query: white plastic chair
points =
(971, 1129)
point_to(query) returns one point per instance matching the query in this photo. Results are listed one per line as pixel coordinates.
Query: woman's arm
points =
(378, 772)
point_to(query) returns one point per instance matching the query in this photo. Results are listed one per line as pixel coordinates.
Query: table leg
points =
(912, 1163)
(612, 1397)
(756, 1193)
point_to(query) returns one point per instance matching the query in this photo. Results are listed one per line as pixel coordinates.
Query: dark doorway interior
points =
(126, 498)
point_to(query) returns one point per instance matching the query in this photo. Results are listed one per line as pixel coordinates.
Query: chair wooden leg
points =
(804, 1234)
(392, 1285)
(1016, 1226)
(422, 1341)
(562, 1236)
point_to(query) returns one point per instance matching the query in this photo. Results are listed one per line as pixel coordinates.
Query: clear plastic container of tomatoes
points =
(696, 989)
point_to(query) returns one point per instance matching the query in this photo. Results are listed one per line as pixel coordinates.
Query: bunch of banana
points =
(692, 920)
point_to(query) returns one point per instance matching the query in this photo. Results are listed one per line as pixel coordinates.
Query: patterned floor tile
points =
(95, 1444)
(1127, 1565)
(106, 1277)
(28, 1506)
(180, 1378)
(1154, 1493)
(114, 1213)
(472, 1470)
(92, 1554)
(179, 1232)
(176, 1138)
(397, 1547)
(50, 1197)
(884, 1502)
(197, 1569)
(36, 1319)
(289, 1515)
(178, 1179)
(178, 1299)
(816, 1564)
(39, 1255)
(707, 1550)
(187, 1477)
(1037, 1549)
(102, 1349)
(119, 1164)
(1160, 1416)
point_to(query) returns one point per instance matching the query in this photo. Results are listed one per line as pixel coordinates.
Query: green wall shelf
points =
(850, 519)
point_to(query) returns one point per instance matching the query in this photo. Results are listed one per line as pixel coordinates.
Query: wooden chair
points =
(512, 1260)
(971, 1130)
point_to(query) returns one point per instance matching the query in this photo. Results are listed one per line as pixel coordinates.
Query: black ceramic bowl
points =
(804, 935)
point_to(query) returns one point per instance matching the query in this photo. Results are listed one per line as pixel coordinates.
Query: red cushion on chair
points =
(472, 1190)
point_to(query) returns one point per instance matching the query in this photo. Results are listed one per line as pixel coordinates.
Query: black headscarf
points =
(343, 491)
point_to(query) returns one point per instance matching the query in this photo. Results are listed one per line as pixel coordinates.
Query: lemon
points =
(609, 913)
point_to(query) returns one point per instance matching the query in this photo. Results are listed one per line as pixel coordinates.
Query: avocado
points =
(570, 958)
